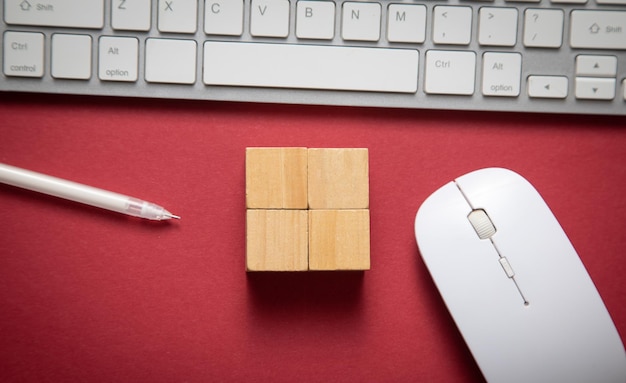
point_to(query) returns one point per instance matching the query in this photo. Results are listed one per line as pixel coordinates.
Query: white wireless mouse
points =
(514, 284)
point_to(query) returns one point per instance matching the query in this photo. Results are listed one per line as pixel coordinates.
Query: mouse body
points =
(514, 284)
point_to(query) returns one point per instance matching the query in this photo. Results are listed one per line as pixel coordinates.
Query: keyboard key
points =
(452, 25)
(171, 61)
(543, 28)
(622, 2)
(595, 88)
(300, 66)
(59, 13)
(361, 21)
(547, 86)
(223, 17)
(596, 66)
(315, 20)
(23, 54)
(118, 58)
(130, 15)
(269, 18)
(71, 56)
(450, 72)
(501, 74)
(569, 1)
(406, 23)
(497, 26)
(178, 16)
(598, 29)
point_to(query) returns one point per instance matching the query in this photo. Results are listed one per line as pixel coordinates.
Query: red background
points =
(90, 295)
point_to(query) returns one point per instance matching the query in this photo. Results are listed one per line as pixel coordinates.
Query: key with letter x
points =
(180, 16)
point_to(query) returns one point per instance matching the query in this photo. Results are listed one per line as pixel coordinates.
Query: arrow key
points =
(596, 66)
(590, 88)
(547, 86)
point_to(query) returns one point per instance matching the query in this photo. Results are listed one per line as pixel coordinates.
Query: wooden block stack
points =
(307, 209)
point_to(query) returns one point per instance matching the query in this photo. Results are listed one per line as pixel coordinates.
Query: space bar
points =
(310, 67)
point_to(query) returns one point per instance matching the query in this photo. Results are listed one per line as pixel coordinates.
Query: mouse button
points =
(529, 234)
(465, 269)
(486, 184)
(441, 225)
(442, 231)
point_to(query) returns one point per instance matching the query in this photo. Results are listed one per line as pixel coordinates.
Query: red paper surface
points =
(94, 296)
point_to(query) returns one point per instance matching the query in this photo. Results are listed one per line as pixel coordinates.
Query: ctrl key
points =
(23, 54)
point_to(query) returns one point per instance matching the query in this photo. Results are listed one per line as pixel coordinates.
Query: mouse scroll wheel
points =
(482, 223)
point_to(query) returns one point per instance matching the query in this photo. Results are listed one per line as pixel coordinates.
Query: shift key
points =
(598, 29)
(55, 13)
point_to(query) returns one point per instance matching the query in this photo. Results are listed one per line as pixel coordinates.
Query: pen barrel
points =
(64, 189)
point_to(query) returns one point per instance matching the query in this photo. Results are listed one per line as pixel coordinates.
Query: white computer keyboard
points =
(562, 56)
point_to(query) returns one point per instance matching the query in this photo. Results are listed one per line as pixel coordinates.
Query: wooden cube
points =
(339, 239)
(276, 240)
(338, 179)
(276, 178)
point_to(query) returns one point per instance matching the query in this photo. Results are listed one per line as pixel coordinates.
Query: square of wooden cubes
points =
(307, 209)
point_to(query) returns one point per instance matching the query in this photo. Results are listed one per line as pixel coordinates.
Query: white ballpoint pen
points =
(88, 195)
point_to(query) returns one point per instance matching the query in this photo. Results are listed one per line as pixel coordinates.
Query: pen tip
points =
(167, 215)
